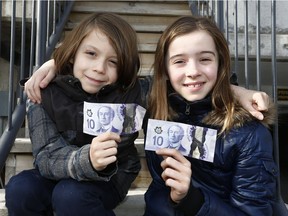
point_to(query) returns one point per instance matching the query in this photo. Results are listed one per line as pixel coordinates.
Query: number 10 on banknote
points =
(192, 141)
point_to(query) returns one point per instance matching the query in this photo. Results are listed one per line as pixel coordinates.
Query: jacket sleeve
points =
(253, 186)
(54, 156)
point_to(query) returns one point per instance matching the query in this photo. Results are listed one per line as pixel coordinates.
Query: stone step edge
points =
(23, 145)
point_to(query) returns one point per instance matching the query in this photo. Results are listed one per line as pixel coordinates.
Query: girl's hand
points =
(40, 79)
(176, 173)
(254, 102)
(103, 150)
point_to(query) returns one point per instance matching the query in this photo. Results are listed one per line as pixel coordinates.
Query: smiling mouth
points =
(94, 80)
(194, 85)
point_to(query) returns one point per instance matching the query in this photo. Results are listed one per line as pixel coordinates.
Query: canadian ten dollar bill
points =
(192, 141)
(118, 118)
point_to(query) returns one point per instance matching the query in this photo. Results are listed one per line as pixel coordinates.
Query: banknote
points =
(118, 118)
(192, 141)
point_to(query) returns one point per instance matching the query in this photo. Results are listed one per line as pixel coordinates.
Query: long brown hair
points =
(226, 112)
(122, 37)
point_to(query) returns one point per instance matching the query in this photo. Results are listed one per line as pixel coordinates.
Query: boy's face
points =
(192, 64)
(95, 63)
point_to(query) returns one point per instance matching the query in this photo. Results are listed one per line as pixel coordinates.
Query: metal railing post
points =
(15, 119)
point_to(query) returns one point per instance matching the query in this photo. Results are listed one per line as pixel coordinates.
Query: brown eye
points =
(114, 62)
(179, 62)
(91, 53)
(205, 59)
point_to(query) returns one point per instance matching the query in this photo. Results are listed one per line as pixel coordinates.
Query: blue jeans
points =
(28, 193)
(157, 201)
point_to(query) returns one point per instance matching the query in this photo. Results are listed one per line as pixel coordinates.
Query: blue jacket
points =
(240, 181)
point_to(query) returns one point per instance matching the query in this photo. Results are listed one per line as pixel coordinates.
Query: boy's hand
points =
(103, 150)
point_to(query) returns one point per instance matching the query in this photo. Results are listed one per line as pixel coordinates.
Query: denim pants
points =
(157, 201)
(28, 193)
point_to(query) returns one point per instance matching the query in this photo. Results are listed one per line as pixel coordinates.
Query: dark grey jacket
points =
(60, 148)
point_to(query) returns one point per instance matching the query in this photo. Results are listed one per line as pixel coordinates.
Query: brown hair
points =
(226, 111)
(122, 37)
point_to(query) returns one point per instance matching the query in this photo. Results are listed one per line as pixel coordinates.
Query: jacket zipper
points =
(187, 111)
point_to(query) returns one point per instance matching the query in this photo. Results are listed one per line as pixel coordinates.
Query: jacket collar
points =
(195, 110)
(72, 88)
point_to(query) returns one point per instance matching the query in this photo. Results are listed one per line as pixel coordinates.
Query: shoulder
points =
(50, 91)
(113, 129)
(252, 136)
(132, 94)
(64, 86)
(251, 128)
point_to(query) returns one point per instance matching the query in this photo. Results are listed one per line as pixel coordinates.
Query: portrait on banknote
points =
(175, 135)
(106, 116)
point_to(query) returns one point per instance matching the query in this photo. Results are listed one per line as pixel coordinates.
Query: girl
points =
(75, 173)
(191, 86)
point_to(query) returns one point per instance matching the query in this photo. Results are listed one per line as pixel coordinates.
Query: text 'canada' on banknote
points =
(118, 118)
(192, 141)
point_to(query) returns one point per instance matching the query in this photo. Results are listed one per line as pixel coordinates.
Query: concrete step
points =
(3, 209)
(133, 205)
(20, 158)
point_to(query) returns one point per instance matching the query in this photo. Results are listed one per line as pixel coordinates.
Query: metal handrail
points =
(38, 55)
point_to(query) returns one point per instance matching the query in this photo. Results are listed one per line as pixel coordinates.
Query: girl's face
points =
(95, 62)
(192, 64)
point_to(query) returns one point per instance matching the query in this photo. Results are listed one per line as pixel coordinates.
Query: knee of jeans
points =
(19, 191)
(155, 197)
(66, 192)
(20, 186)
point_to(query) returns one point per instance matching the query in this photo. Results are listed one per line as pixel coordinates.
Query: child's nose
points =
(98, 66)
(192, 69)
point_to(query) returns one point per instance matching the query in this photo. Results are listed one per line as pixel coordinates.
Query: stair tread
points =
(23, 145)
(136, 7)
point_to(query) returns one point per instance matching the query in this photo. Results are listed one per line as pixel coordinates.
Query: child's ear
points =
(71, 61)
